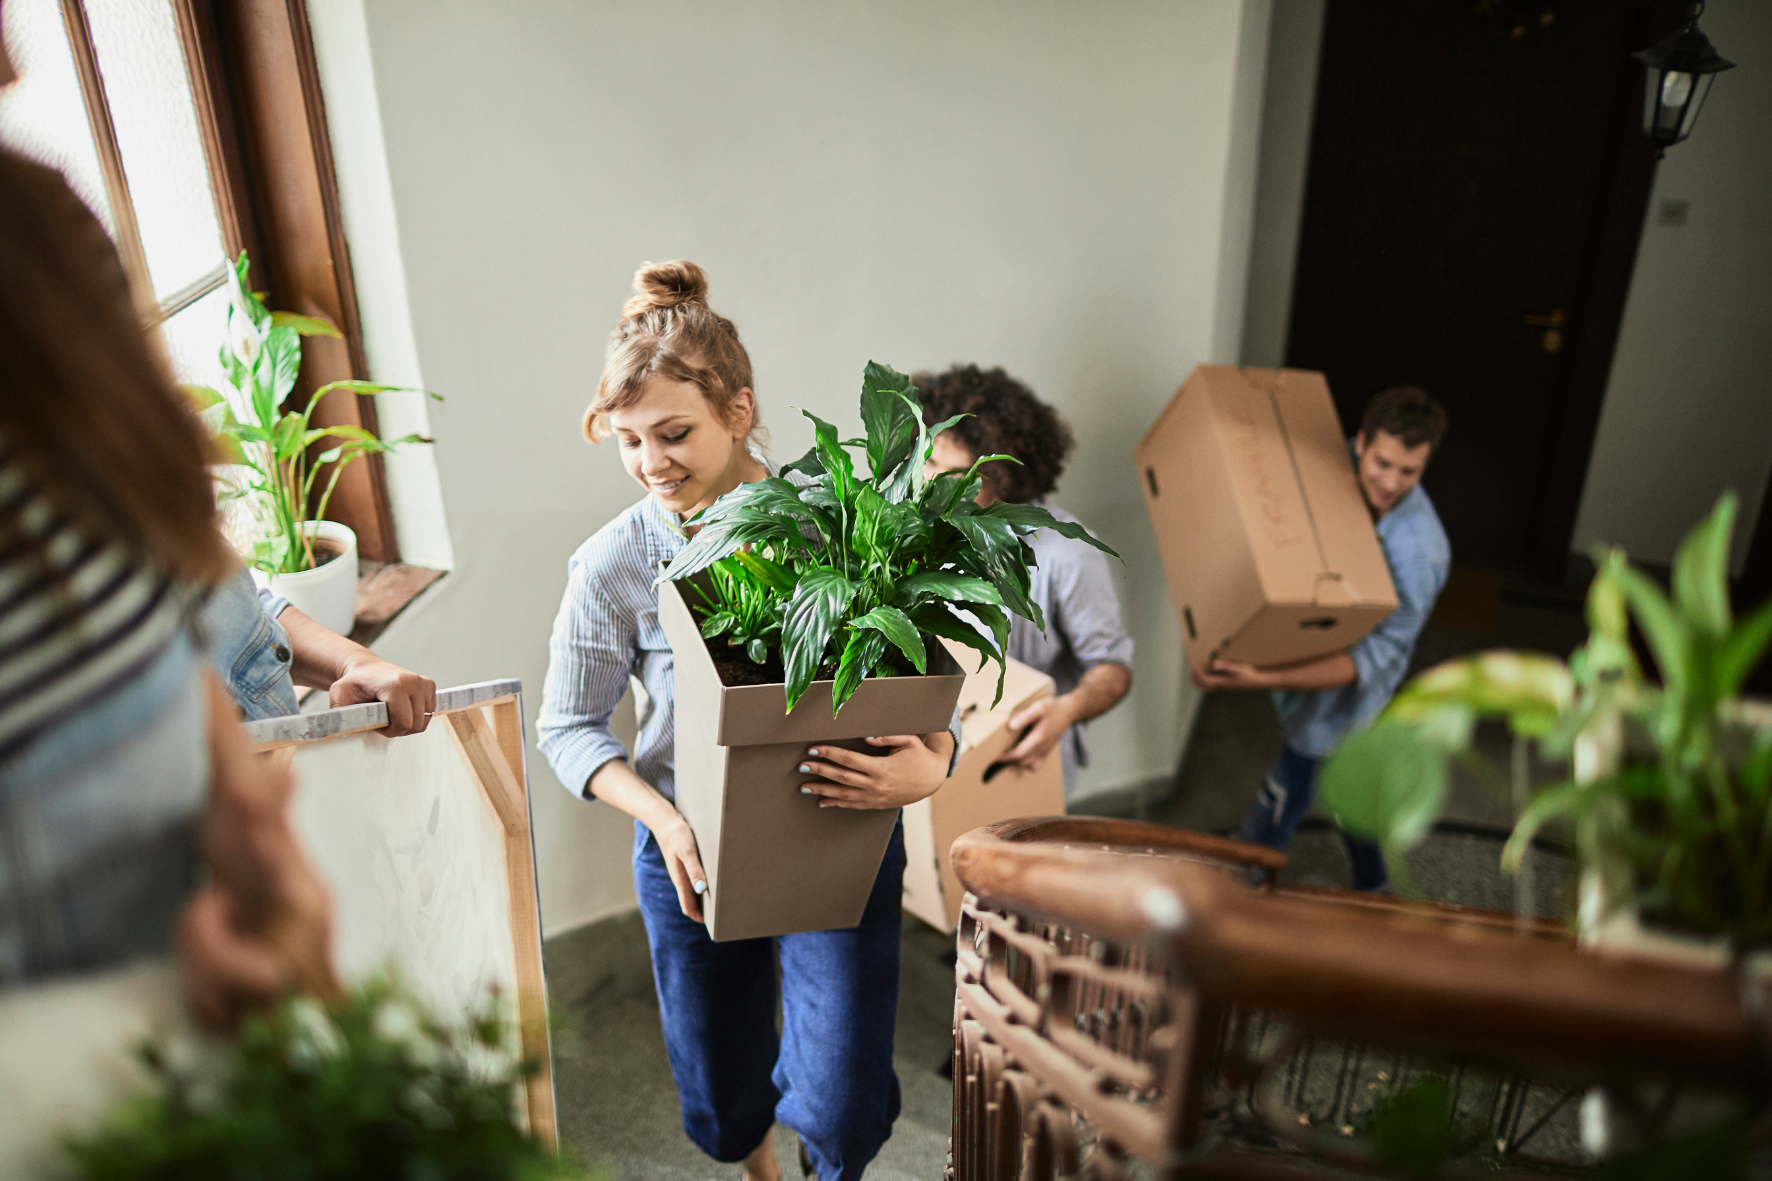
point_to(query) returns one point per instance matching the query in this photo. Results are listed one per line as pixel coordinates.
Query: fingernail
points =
(700, 886)
(805, 791)
(813, 752)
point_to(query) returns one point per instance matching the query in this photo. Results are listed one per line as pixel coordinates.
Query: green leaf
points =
(758, 651)
(837, 464)
(812, 616)
(202, 397)
(891, 416)
(1386, 783)
(1027, 517)
(306, 325)
(897, 627)
(1670, 640)
(773, 574)
(808, 464)
(945, 584)
(717, 624)
(1742, 649)
(279, 363)
(862, 651)
(1701, 570)
(938, 619)
(1546, 805)
(995, 552)
(725, 531)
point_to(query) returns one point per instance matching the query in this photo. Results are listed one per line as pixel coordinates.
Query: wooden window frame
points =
(256, 89)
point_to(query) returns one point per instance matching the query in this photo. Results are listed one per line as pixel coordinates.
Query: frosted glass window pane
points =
(42, 115)
(194, 339)
(149, 94)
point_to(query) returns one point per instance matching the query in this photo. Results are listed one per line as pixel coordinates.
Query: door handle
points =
(1552, 340)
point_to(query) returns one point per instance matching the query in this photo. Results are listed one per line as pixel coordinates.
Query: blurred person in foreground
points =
(124, 771)
(1320, 700)
(1085, 648)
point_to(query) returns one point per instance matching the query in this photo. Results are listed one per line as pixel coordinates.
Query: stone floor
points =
(616, 1100)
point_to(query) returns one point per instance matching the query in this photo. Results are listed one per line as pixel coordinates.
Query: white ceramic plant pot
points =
(328, 593)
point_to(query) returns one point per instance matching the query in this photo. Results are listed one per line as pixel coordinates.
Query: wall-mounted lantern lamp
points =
(1681, 69)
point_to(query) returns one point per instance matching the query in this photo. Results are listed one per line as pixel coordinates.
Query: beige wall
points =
(1039, 185)
(1688, 408)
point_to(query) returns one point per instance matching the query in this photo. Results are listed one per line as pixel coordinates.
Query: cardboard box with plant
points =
(818, 592)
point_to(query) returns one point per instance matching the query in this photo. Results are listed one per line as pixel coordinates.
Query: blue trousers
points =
(1284, 798)
(828, 1074)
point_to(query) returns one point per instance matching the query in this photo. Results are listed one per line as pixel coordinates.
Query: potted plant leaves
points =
(307, 559)
(1668, 787)
(802, 611)
(371, 1086)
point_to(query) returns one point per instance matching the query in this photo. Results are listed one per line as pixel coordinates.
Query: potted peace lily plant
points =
(1668, 787)
(309, 560)
(802, 611)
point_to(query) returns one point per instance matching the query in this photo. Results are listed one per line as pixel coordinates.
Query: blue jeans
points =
(828, 1076)
(1284, 798)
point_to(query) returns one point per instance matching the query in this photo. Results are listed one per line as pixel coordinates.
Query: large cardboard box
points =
(982, 790)
(777, 863)
(1267, 544)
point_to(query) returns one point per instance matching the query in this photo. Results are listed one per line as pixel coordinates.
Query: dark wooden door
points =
(1476, 186)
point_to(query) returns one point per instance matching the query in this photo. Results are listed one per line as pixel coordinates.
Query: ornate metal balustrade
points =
(1126, 1006)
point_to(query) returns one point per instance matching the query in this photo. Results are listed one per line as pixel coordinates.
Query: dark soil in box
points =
(735, 668)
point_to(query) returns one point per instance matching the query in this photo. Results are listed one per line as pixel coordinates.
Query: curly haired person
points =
(1085, 648)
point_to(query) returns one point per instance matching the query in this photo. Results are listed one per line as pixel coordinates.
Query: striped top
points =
(608, 630)
(78, 617)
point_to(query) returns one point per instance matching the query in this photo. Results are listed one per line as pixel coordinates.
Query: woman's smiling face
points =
(678, 448)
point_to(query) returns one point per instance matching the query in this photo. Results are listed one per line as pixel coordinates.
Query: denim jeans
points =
(249, 648)
(1284, 798)
(828, 1076)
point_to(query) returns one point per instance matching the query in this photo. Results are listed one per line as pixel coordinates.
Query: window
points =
(194, 129)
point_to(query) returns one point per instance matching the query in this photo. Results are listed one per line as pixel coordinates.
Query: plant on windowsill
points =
(370, 1086)
(854, 572)
(310, 560)
(1669, 786)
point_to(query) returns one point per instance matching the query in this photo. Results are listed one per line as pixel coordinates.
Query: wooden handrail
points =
(1414, 975)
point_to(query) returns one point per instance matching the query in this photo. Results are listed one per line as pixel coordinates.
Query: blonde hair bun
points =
(665, 285)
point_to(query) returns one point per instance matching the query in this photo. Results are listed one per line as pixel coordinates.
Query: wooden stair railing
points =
(1127, 1005)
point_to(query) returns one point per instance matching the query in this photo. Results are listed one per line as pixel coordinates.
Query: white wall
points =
(1688, 409)
(1290, 92)
(1038, 185)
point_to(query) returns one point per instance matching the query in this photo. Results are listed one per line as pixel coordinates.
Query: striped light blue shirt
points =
(608, 630)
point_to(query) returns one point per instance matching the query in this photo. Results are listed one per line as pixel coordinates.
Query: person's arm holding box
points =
(1086, 613)
(1377, 662)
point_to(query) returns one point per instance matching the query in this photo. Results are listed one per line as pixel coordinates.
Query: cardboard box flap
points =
(1352, 569)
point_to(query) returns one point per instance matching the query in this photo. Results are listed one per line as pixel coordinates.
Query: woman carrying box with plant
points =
(676, 394)
(1084, 648)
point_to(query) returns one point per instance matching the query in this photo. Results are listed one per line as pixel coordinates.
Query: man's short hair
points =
(1408, 413)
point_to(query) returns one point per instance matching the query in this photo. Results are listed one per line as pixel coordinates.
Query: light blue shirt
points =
(1420, 558)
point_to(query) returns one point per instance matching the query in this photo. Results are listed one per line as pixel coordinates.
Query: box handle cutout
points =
(1150, 477)
(992, 771)
(1321, 623)
(1187, 613)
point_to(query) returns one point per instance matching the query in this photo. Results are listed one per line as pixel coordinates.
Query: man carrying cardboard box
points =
(1321, 700)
